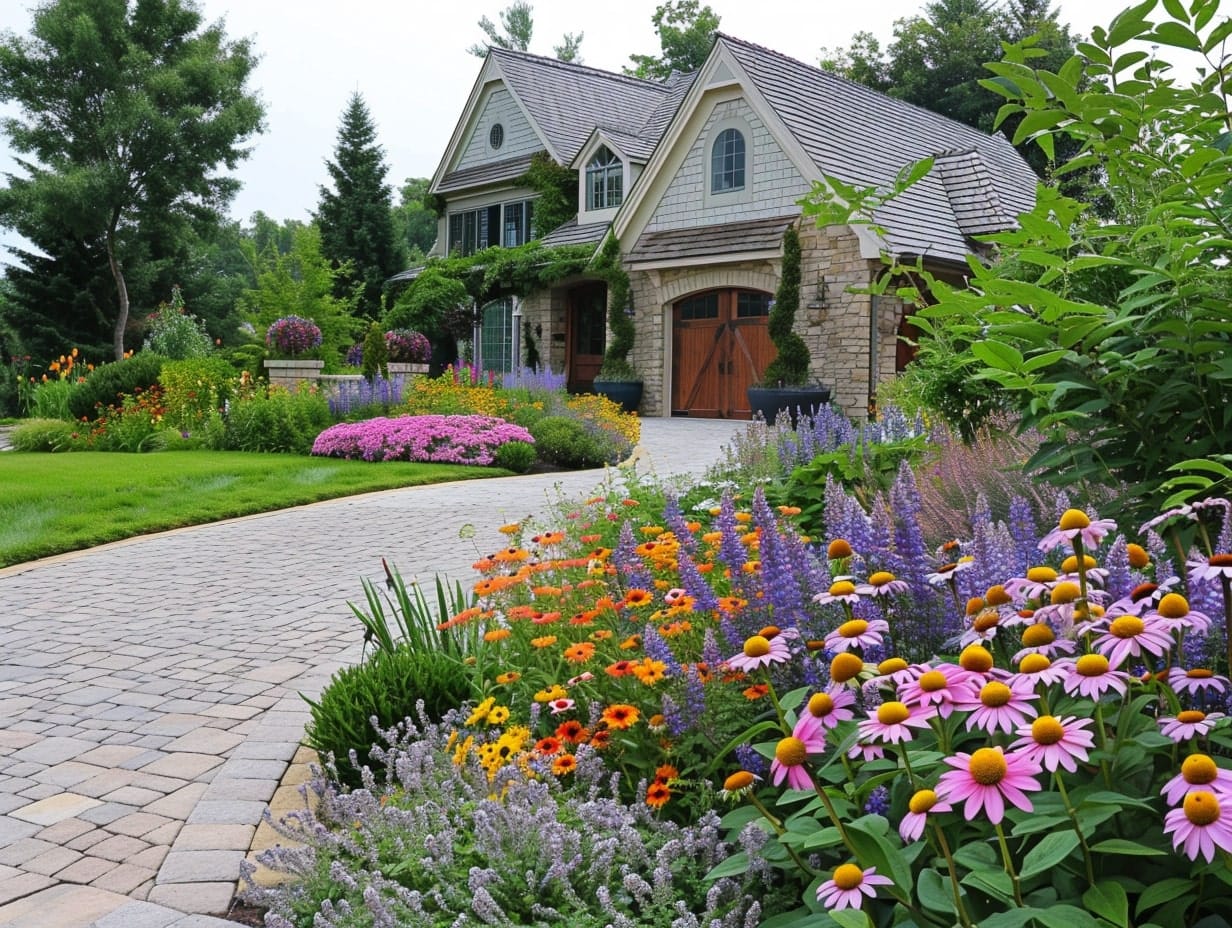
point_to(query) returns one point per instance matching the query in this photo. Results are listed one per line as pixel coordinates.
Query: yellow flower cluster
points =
(607, 415)
(442, 396)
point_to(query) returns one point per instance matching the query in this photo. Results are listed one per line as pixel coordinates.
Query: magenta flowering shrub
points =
(293, 335)
(423, 439)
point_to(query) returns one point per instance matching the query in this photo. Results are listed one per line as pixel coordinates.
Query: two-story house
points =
(698, 177)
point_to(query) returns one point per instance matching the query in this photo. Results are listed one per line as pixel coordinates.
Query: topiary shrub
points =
(389, 685)
(790, 368)
(107, 383)
(45, 435)
(568, 443)
(517, 456)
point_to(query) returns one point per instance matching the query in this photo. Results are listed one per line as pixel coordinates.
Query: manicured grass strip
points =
(52, 503)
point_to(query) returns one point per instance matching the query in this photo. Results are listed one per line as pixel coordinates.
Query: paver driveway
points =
(149, 689)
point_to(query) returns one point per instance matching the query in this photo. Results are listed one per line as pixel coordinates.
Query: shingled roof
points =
(865, 138)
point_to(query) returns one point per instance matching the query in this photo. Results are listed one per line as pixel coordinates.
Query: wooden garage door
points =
(720, 347)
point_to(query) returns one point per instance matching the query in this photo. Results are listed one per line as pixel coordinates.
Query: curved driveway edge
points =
(149, 689)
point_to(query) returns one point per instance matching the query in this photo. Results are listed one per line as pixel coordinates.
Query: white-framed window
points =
(604, 180)
(506, 224)
(727, 161)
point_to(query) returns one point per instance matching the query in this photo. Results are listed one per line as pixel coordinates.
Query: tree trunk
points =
(121, 294)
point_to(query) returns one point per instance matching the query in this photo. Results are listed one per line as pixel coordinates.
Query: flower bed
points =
(427, 439)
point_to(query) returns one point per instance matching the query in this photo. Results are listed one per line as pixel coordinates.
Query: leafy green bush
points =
(45, 435)
(105, 385)
(277, 421)
(193, 389)
(49, 400)
(176, 333)
(567, 442)
(517, 456)
(388, 685)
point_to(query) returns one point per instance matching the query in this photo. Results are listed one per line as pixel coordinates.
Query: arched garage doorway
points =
(720, 347)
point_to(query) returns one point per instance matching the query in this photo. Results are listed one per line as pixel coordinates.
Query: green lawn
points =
(52, 503)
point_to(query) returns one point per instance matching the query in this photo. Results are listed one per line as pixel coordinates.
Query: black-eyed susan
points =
(509, 676)
(572, 732)
(564, 765)
(580, 652)
(657, 795)
(621, 716)
(638, 597)
(480, 712)
(649, 671)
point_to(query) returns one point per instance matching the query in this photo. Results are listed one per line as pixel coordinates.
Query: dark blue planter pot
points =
(771, 401)
(628, 393)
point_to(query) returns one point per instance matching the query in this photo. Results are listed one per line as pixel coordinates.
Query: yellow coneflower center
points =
(1041, 575)
(975, 604)
(1190, 717)
(996, 596)
(1137, 556)
(988, 767)
(975, 659)
(842, 588)
(853, 629)
(922, 801)
(1064, 592)
(986, 620)
(1046, 730)
(820, 705)
(932, 681)
(1199, 673)
(995, 694)
(892, 713)
(739, 780)
(1127, 626)
(1201, 807)
(838, 549)
(1074, 518)
(1091, 665)
(1199, 769)
(848, 876)
(791, 752)
(880, 578)
(892, 665)
(1070, 564)
(1034, 663)
(756, 646)
(845, 666)
(1173, 606)
(1037, 635)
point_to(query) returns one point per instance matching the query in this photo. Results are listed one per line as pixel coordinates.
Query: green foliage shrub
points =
(389, 685)
(105, 385)
(43, 435)
(517, 456)
(194, 389)
(50, 400)
(376, 354)
(176, 333)
(568, 443)
(790, 366)
(135, 424)
(277, 421)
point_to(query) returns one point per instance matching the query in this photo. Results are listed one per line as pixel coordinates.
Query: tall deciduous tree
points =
(414, 222)
(354, 217)
(127, 111)
(517, 25)
(686, 31)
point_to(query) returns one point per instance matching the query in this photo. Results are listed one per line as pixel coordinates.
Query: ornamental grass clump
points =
(426, 439)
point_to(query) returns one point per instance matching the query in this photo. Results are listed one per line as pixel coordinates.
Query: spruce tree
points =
(355, 217)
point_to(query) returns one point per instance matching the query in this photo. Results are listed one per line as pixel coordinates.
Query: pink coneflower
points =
(892, 722)
(1201, 824)
(1039, 668)
(1142, 599)
(1198, 771)
(1037, 584)
(1039, 638)
(848, 886)
(939, 686)
(790, 756)
(882, 583)
(922, 802)
(1056, 742)
(824, 711)
(842, 590)
(988, 778)
(1173, 614)
(760, 652)
(857, 633)
(1092, 676)
(1183, 511)
(1208, 569)
(1189, 724)
(1075, 523)
(999, 705)
(1197, 681)
(1130, 636)
(560, 705)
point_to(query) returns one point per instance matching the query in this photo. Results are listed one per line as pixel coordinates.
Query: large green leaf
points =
(1053, 849)
(1162, 891)
(1108, 900)
(1126, 848)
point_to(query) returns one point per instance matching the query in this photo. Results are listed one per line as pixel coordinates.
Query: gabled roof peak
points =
(543, 60)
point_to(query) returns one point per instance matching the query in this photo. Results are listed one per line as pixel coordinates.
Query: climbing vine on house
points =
(607, 265)
(557, 187)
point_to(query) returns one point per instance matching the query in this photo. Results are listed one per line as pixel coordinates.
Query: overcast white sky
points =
(409, 61)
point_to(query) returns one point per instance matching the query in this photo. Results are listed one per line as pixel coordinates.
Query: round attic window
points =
(496, 138)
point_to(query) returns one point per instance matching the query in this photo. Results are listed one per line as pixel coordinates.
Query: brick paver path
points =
(149, 689)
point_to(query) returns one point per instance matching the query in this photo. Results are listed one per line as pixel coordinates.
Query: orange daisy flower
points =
(579, 653)
(545, 641)
(601, 634)
(511, 555)
(756, 691)
(732, 603)
(650, 671)
(565, 764)
(511, 529)
(638, 597)
(621, 716)
(657, 795)
(549, 538)
(601, 739)
(631, 643)
(548, 746)
(666, 773)
(496, 634)
(508, 677)
(619, 669)
(675, 629)
(572, 732)
(590, 539)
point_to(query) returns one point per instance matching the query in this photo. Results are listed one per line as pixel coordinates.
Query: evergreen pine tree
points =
(355, 216)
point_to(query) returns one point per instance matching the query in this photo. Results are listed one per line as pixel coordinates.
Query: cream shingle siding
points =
(520, 138)
(777, 185)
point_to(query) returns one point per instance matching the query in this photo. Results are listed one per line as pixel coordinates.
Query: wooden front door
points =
(586, 334)
(720, 347)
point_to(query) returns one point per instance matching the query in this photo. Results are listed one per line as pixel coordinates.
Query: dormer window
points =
(604, 180)
(727, 162)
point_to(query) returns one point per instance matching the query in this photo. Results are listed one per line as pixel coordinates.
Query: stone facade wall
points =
(520, 137)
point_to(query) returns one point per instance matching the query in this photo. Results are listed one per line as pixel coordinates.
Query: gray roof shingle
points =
(570, 233)
(729, 238)
(483, 174)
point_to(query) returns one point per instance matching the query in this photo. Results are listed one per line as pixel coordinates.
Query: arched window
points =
(604, 180)
(727, 162)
